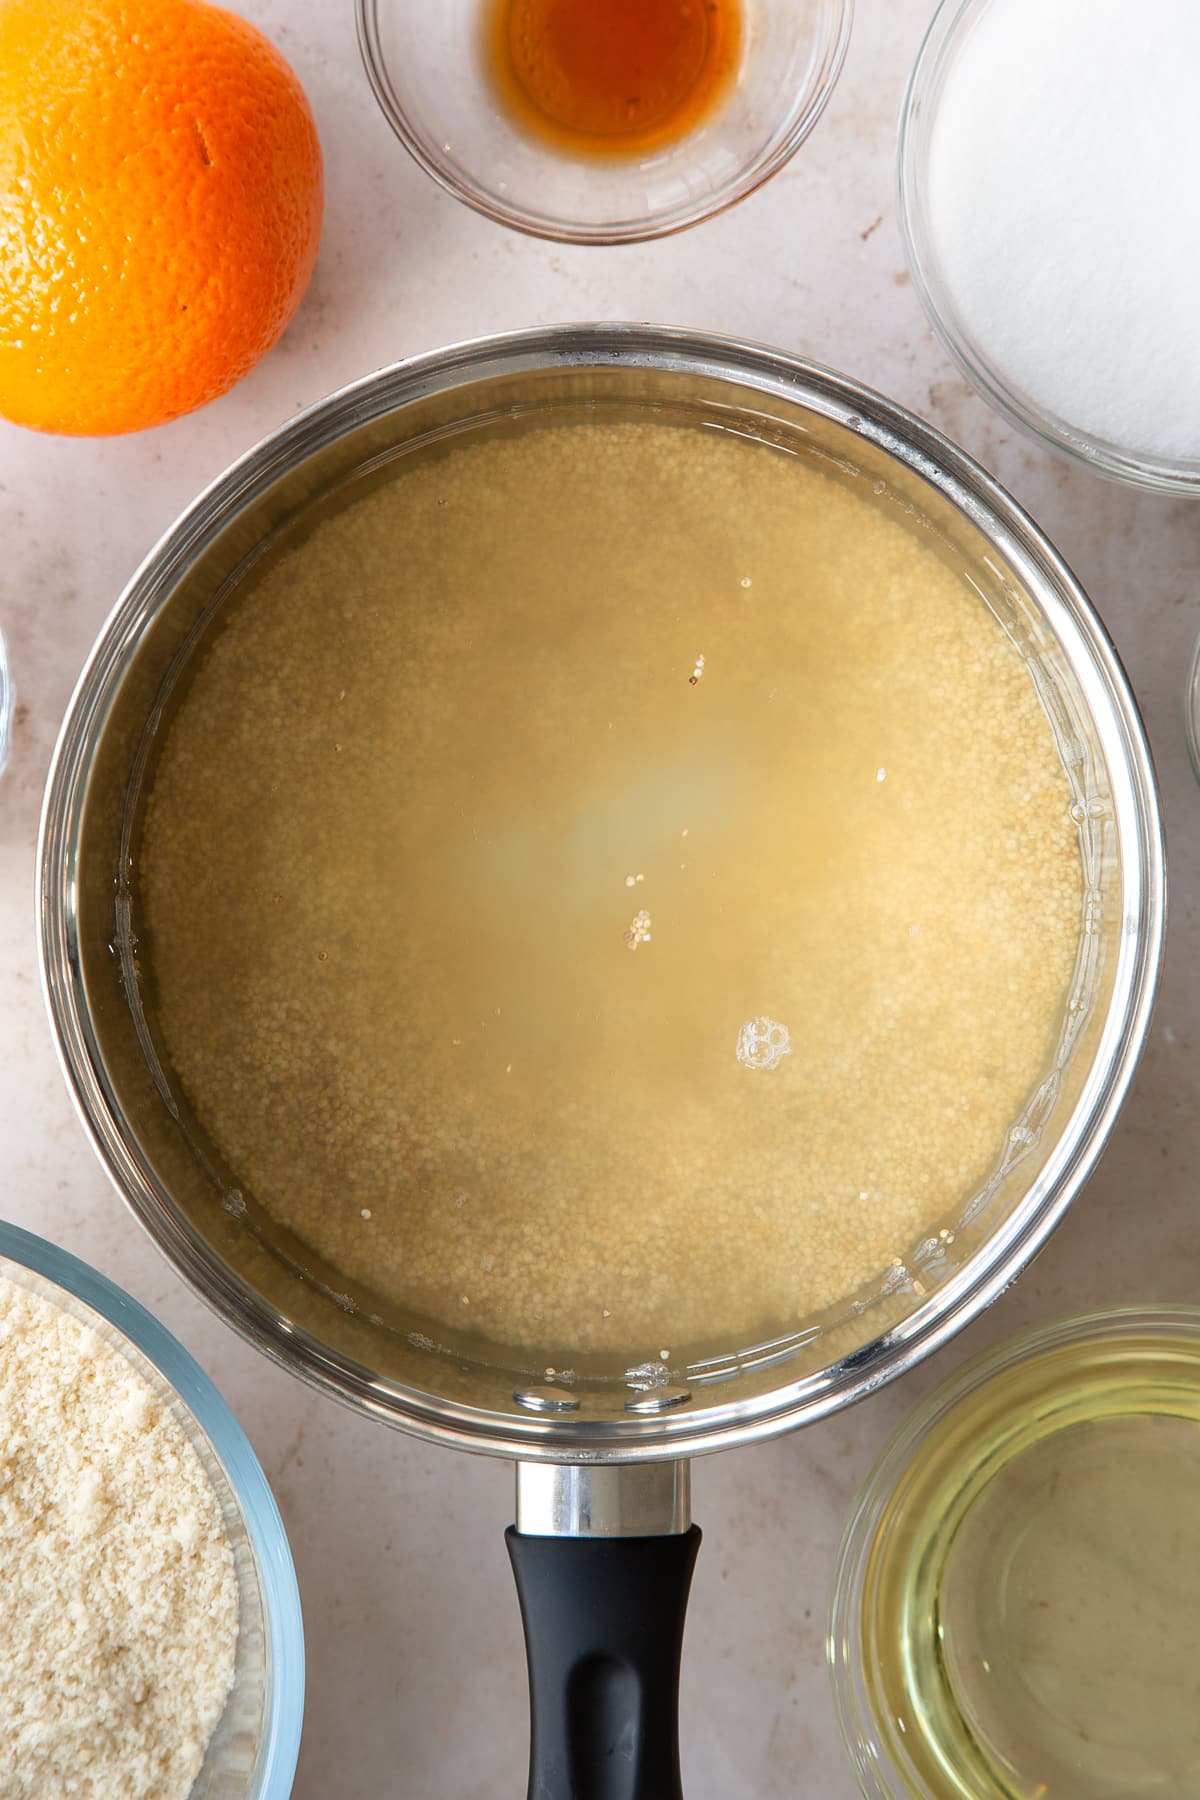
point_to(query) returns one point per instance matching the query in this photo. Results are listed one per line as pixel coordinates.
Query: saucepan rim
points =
(713, 1421)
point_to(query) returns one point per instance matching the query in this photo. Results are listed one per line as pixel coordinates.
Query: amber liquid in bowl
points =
(612, 77)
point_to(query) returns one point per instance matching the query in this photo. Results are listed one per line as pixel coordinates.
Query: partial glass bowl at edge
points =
(253, 1752)
(427, 71)
(948, 32)
(937, 1442)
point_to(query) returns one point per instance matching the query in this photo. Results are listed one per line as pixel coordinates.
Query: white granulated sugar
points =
(119, 1617)
(1061, 206)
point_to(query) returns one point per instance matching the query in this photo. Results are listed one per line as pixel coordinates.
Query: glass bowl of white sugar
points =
(1047, 158)
(151, 1641)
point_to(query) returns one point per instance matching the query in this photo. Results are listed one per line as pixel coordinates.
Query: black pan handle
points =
(603, 1620)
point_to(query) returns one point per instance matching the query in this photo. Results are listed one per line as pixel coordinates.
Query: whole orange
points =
(160, 207)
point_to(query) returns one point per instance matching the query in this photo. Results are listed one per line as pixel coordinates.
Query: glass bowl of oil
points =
(1017, 1603)
(602, 121)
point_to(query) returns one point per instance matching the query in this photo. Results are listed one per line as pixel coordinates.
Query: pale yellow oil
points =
(610, 885)
(1032, 1621)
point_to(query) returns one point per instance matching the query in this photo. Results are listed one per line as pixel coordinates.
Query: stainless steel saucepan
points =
(603, 1544)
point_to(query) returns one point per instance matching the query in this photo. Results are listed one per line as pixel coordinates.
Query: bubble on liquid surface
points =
(763, 1043)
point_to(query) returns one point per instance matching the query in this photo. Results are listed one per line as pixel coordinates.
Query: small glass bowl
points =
(252, 1754)
(426, 67)
(1191, 708)
(948, 32)
(945, 1480)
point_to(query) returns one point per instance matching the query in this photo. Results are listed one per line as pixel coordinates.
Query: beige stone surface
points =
(417, 1685)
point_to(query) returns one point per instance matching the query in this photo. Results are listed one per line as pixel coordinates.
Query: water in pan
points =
(610, 885)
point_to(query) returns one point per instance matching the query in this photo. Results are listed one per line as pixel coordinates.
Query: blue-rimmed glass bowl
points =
(252, 1754)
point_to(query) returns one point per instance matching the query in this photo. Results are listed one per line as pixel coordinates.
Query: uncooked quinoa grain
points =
(442, 769)
(118, 1593)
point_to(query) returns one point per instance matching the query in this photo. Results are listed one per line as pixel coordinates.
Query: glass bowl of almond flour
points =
(151, 1645)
